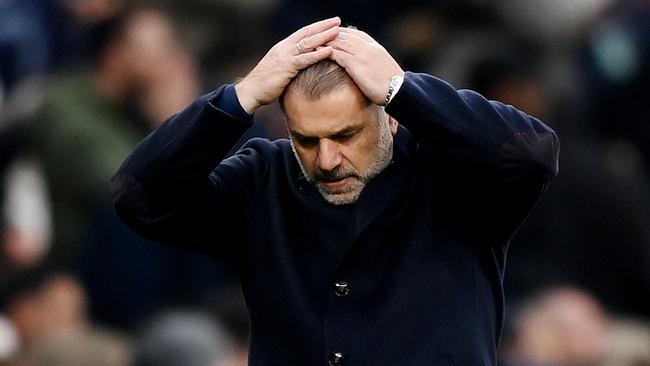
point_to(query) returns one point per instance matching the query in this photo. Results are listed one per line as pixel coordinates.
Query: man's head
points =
(138, 57)
(341, 139)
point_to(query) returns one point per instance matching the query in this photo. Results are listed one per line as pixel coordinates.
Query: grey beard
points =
(383, 155)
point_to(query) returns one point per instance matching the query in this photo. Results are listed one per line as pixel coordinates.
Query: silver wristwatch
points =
(393, 87)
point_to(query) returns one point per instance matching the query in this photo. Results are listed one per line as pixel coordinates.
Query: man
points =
(85, 121)
(359, 241)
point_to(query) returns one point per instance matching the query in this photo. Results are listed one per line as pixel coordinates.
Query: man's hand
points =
(268, 79)
(366, 61)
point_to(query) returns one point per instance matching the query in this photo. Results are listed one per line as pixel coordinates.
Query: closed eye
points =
(345, 135)
(306, 141)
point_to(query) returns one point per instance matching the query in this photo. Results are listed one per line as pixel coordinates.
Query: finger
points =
(314, 28)
(354, 39)
(361, 34)
(305, 59)
(317, 40)
(343, 45)
(341, 57)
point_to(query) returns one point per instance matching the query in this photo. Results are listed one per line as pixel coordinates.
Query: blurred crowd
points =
(82, 81)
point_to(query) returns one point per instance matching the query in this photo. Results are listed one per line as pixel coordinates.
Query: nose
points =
(329, 155)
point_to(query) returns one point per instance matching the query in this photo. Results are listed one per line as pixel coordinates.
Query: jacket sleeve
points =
(176, 186)
(501, 157)
(464, 126)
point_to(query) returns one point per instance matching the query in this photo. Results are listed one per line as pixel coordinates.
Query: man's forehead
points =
(329, 114)
(327, 125)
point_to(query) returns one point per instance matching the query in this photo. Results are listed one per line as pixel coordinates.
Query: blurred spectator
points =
(557, 327)
(27, 224)
(9, 342)
(511, 78)
(96, 348)
(87, 122)
(24, 47)
(229, 307)
(163, 75)
(79, 134)
(628, 343)
(84, 127)
(183, 338)
(554, 21)
(38, 36)
(617, 68)
(72, 24)
(42, 303)
(93, 11)
(414, 36)
(46, 323)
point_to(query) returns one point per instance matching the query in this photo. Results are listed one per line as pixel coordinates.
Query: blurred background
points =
(82, 81)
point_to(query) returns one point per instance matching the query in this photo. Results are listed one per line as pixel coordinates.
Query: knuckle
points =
(304, 61)
(296, 62)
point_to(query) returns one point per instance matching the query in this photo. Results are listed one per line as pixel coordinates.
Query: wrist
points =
(246, 98)
(394, 86)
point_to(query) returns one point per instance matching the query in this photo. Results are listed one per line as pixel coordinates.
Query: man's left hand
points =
(366, 61)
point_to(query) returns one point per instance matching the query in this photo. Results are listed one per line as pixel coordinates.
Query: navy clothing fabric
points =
(423, 251)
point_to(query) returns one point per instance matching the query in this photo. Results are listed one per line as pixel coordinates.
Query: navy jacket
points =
(410, 275)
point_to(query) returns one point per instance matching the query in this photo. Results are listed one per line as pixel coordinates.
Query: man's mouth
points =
(335, 185)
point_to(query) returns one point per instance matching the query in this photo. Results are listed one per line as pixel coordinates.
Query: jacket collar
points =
(388, 189)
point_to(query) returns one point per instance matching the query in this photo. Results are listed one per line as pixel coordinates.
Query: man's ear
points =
(392, 122)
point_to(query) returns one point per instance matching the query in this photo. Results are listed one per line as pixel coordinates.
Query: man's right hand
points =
(266, 82)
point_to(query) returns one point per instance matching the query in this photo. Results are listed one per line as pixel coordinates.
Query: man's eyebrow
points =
(349, 130)
(298, 135)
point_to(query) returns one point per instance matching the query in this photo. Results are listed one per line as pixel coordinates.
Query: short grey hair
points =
(317, 80)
